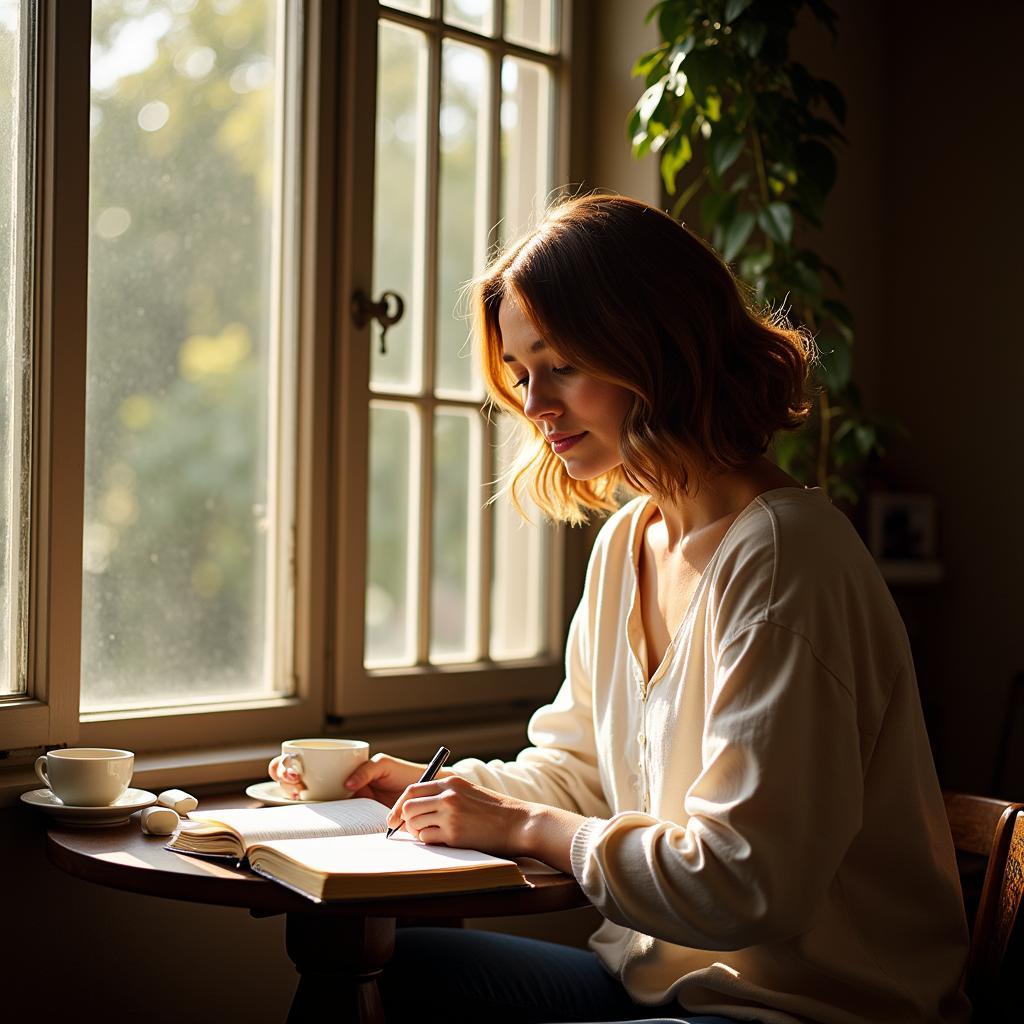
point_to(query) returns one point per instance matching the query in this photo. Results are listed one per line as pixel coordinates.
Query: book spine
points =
(294, 888)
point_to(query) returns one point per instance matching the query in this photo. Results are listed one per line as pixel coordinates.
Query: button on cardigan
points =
(766, 837)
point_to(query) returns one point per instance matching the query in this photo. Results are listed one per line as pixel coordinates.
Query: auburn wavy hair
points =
(622, 292)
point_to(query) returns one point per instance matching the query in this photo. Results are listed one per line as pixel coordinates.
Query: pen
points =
(436, 762)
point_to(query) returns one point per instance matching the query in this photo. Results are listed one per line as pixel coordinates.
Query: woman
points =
(736, 768)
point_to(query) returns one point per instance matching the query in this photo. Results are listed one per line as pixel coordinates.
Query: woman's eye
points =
(562, 369)
(520, 383)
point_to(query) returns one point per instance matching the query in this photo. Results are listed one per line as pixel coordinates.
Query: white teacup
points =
(323, 765)
(86, 776)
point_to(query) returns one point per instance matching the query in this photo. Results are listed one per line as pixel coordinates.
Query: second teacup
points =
(86, 776)
(324, 764)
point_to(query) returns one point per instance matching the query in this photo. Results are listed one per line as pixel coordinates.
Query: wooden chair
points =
(994, 830)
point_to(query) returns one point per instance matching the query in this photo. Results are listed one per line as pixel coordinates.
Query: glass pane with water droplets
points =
(526, 147)
(400, 203)
(532, 23)
(521, 562)
(392, 541)
(455, 561)
(186, 221)
(462, 211)
(476, 15)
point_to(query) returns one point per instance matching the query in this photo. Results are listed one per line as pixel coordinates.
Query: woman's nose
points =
(540, 402)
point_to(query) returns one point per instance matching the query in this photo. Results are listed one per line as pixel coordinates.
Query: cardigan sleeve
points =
(560, 767)
(769, 817)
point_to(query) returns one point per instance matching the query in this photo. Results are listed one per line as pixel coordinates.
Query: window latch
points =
(365, 310)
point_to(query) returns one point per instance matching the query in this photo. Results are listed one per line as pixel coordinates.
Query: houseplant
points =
(746, 138)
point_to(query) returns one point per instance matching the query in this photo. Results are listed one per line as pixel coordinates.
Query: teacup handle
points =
(292, 763)
(41, 771)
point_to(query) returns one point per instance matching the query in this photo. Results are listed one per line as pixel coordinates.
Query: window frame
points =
(332, 687)
(358, 690)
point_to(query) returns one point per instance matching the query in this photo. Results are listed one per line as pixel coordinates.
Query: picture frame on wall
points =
(902, 537)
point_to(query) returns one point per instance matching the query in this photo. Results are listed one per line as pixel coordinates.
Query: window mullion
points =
(429, 353)
(57, 501)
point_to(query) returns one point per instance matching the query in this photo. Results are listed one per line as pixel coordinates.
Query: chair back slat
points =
(994, 829)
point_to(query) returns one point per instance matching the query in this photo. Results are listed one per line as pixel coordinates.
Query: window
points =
(464, 157)
(17, 121)
(227, 510)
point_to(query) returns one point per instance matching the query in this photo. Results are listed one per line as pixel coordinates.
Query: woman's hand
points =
(287, 778)
(455, 812)
(385, 778)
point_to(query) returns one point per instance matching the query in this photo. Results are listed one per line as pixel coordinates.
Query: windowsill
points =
(206, 769)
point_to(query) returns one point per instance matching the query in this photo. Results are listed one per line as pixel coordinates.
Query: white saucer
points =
(272, 793)
(117, 813)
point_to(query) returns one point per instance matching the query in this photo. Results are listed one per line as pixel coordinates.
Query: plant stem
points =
(825, 429)
(762, 178)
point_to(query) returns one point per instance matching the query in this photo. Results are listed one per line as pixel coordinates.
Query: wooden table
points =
(338, 949)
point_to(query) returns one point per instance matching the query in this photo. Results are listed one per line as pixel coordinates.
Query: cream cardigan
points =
(766, 836)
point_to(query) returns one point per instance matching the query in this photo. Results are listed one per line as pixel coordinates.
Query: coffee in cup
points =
(323, 765)
(86, 776)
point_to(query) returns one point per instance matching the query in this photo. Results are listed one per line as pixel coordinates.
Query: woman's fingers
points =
(366, 774)
(287, 778)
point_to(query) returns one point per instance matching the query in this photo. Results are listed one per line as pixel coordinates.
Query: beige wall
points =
(925, 225)
(617, 36)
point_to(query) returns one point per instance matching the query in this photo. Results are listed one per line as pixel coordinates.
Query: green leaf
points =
(776, 221)
(735, 234)
(723, 151)
(835, 361)
(840, 312)
(807, 280)
(716, 205)
(648, 61)
(750, 36)
(834, 98)
(706, 70)
(649, 102)
(673, 21)
(633, 125)
(734, 8)
(676, 156)
(754, 264)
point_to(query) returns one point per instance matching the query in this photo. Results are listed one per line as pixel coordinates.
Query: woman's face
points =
(581, 417)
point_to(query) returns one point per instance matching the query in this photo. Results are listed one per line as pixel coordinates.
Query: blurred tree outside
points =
(181, 181)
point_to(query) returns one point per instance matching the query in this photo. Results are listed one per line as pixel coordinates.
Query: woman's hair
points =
(622, 292)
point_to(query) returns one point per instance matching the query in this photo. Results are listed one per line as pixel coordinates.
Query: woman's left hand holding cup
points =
(286, 777)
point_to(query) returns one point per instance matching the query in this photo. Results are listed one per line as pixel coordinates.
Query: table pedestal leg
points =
(338, 960)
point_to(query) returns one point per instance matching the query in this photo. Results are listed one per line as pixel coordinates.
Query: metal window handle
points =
(365, 310)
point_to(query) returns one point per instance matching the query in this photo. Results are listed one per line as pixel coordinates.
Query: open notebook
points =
(338, 850)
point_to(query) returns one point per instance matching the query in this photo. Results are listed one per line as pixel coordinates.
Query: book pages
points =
(377, 855)
(299, 821)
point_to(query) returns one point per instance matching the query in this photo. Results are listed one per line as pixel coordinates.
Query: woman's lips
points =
(566, 443)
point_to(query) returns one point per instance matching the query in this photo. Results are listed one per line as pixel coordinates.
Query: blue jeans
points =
(460, 975)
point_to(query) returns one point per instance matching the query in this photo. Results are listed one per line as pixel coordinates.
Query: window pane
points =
(455, 563)
(400, 203)
(518, 595)
(412, 6)
(525, 144)
(182, 480)
(532, 23)
(462, 213)
(17, 102)
(391, 560)
(476, 15)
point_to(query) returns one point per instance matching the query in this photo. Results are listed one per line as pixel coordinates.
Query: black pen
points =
(436, 763)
